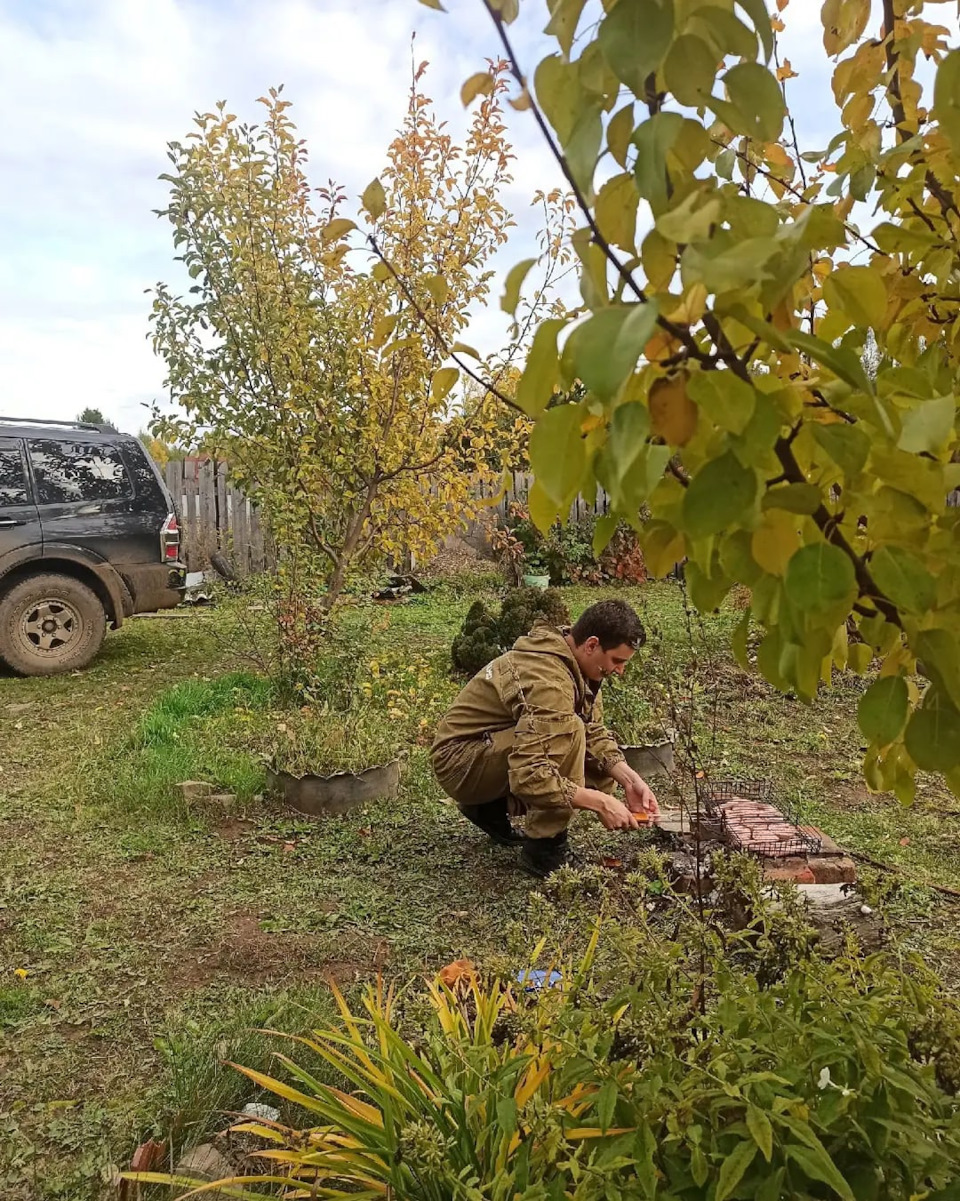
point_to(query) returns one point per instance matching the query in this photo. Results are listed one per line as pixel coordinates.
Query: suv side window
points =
(77, 471)
(13, 481)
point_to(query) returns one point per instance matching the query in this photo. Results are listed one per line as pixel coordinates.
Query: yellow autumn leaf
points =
(479, 84)
(673, 415)
(374, 199)
(337, 228)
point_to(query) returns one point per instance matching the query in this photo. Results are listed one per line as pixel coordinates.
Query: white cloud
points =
(94, 91)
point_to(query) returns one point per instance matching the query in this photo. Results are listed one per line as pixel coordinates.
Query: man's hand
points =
(638, 793)
(614, 815)
(611, 812)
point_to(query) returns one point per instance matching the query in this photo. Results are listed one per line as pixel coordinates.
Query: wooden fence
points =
(215, 516)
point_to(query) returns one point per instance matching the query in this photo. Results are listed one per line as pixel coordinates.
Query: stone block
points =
(205, 1163)
(195, 790)
(824, 896)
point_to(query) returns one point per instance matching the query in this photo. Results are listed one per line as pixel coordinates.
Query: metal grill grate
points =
(803, 840)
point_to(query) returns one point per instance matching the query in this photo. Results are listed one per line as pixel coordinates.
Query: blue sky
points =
(93, 91)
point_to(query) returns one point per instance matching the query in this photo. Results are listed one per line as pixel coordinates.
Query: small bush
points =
(483, 637)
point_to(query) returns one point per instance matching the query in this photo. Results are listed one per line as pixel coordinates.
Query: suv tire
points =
(50, 624)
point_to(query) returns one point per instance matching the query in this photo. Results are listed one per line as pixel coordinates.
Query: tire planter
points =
(655, 758)
(329, 796)
(537, 581)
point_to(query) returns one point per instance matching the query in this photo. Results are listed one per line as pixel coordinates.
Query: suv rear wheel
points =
(50, 624)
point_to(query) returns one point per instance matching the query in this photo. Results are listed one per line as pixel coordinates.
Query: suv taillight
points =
(170, 540)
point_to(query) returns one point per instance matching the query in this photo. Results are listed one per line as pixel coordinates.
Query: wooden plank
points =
(257, 561)
(241, 533)
(207, 510)
(223, 515)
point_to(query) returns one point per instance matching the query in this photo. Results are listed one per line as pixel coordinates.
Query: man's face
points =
(596, 663)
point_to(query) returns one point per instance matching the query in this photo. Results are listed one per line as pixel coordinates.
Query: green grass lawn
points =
(142, 940)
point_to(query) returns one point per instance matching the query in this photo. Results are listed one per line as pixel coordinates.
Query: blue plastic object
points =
(535, 980)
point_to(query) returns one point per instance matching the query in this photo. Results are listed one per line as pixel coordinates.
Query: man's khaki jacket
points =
(537, 688)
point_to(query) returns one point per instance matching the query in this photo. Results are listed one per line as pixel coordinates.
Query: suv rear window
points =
(13, 482)
(77, 471)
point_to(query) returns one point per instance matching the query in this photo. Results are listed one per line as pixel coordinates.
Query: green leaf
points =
(606, 1104)
(603, 531)
(939, 658)
(582, 149)
(733, 1168)
(706, 591)
(616, 211)
(653, 140)
(903, 579)
(882, 710)
(691, 219)
(718, 496)
(619, 133)
(559, 93)
(928, 427)
(946, 97)
(816, 1164)
(842, 363)
(558, 454)
(604, 350)
(793, 498)
(756, 101)
(629, 466)
(756, 10)
(564, 19)
(374, 199)
(848, 446)
(690, 69)
(933, 733)
(859, 292)
(542, 369)
(727, 401)
(634, 37)
(507, 1114)
(514, 282)
(820, 578)
(543, 511)
(443, 381)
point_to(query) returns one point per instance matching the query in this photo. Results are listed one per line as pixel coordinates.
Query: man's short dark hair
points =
(612, 622)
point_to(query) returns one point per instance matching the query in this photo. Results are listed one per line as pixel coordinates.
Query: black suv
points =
(88, 536)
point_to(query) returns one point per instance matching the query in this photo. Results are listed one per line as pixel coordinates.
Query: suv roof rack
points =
(105, 428)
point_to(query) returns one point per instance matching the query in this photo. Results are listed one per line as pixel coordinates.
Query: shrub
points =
(566, 551)
(483, 637)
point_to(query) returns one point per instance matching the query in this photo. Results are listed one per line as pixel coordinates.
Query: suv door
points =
(86, 498)
(19, 519)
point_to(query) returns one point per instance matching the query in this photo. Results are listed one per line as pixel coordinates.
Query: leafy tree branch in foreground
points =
(731, 280)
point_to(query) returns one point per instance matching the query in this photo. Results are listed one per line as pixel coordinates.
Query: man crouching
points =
(526, 735)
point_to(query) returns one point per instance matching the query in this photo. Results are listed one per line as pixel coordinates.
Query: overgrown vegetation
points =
(699, 1063)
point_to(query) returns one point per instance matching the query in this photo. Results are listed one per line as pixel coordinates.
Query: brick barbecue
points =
(750, 821)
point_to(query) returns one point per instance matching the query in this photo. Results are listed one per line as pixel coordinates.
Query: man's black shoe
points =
(541, 856)
(492, 819)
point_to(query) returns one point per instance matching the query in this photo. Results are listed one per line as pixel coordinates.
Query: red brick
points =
(794, 871)
(833, 869)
